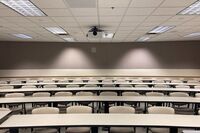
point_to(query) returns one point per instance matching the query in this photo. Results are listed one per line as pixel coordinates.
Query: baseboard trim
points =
(100, 72)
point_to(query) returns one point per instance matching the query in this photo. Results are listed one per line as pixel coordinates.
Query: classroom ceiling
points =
(129, 20)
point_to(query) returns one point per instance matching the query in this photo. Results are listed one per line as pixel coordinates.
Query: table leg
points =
(94, 129)
(62, 129)
(173, 130)
(106, 107)
(24, 130)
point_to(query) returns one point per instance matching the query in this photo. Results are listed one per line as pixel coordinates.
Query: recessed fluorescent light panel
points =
(143, 39)
(108, 35)
(193, 9)
(23, 36)
(24, 7)
(56, 30)
(160, 29)
(193, 34)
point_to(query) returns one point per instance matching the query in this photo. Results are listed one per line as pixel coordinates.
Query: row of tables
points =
(97, 89)
(99, 83)
(53, 101)
(26, 122)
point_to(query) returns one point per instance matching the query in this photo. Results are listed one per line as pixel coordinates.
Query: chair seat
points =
(78, 130)
(4, 131)
(45, 130)
(159, 130)
(121, 130)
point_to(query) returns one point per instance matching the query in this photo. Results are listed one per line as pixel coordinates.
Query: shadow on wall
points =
(169, 55)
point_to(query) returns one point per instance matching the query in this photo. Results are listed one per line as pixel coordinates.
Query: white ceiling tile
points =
(181, 18)
(110, 19)
(146, 3)
(157, 18)
(139, 11)
(134, 18)
(114, 3)
(87, 19)
(49, 3)
(64, 19)
(177, 3)
(167, 11)
(128, 24)
(57, 12)
(8, 12)
(112, 12)
(88, 12)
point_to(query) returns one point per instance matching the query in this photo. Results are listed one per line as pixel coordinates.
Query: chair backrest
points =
(197, 86)
(4, 109)
(50, 86)
(122, 109)
(63, 81)
(48, 81)
(61, 94)
(176, 81)
(84, 93)
(45, 110)
(79, 109)
(31, 81)
(121, 81)
(77, 81)
(72, 86)
(158, 81)
(93, 81)
(197, 95)
(130, 93)
(107, 81)
(183, 86)
(142, 86)
(160, 86)
(193, 81)
(7, 87)
(125, 85)
(29, 86)
(154, 94)
(90, 85)
(16, 82)
(160, 110)
(179, 94)
(136, 81)
(108, 93)
(10, 95)
(3, 82)
(41, 94)
(108, 85)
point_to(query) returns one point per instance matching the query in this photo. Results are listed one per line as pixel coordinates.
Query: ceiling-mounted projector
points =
(95, 33)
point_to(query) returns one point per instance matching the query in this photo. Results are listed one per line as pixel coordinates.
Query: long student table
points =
(97, 120)
(101, 99)
(100, 83)
(3, 115)
(96, 89)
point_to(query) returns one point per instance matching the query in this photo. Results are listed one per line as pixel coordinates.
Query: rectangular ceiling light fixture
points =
(193, 34)
(56, 30)
(24, 7)
(108, 35)
(193, 9)
(143, 39)
(160, 29)
(23, 36)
